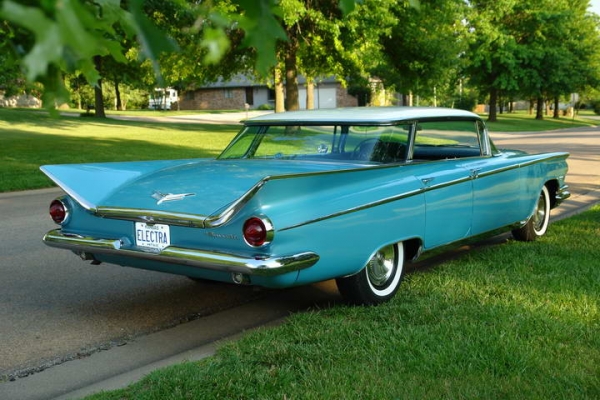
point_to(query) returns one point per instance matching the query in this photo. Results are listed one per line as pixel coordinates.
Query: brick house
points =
(241, 90)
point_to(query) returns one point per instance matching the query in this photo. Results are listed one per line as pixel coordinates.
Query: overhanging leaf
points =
(262, 31)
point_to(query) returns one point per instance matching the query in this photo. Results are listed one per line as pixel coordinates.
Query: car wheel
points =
(378, 281)
(537, 225)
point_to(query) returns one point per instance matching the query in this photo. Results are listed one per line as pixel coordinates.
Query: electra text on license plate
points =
(155, 236)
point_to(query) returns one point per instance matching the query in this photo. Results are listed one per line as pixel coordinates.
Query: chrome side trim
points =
(355, 209)
(214, 221)
(152, 216)
(426, 188)
(213, 260)
(207, 221)
(222, 218)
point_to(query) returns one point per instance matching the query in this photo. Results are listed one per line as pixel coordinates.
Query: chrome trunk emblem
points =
(162, 197)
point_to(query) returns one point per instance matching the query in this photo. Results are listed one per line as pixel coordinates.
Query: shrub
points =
(265, 107)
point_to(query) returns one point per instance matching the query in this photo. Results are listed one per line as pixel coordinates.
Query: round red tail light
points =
(257, 232)
(58, 211)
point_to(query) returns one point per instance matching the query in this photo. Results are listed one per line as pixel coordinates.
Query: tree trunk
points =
(539, 114)
(291, 78)
(556, 110)
(493, 115)
(119, 104)
(310, 94)
(98, 97)
(279, 92)
(531, 105)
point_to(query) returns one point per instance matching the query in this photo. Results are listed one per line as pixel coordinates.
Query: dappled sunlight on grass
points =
(31, 139)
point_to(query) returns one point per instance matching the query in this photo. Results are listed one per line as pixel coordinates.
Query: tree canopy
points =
(530, 49)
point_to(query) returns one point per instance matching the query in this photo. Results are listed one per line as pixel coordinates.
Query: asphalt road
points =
(55, 308)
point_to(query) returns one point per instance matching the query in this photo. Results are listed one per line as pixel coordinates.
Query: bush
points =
(265, 107)
(596, 106)
(466, 102)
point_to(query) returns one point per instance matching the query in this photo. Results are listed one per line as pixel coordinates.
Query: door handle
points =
(475, 173)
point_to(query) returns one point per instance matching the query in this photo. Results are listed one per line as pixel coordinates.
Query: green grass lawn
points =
(523, 122)
(510, 321)
(30, 138)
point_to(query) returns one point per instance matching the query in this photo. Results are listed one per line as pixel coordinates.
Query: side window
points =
(381, 144)
(437, 140)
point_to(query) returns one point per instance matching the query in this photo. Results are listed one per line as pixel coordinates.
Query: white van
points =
(163, 99)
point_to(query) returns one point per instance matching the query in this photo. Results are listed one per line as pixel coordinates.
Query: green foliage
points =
(66, 38)
(596, 106)
(424, 46)
(506, 48)
(262, 31)
(265, 106)
(533, 49)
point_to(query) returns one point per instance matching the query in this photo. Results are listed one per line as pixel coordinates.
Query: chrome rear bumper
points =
(86, 247)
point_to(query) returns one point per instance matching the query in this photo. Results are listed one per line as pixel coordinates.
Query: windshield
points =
(372, 144)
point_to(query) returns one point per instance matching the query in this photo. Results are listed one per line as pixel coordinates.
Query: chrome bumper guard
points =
(213, 260)
(561, 195)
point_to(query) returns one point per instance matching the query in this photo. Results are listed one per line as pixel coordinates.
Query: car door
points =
(499, 194)
(441, 151)
(448, 203)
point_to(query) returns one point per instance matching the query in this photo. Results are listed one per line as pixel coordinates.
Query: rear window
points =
(373, 144)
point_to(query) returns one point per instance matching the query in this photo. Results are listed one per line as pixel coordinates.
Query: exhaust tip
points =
(85, 256)
(240, 279)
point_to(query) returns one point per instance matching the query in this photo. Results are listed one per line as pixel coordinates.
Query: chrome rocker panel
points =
(225, 262)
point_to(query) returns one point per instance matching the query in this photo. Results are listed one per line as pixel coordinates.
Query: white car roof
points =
(360, 115)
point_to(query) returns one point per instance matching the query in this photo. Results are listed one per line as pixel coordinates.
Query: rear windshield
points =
(374, 144)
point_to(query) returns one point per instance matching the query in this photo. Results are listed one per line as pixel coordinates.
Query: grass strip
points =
(511, 321)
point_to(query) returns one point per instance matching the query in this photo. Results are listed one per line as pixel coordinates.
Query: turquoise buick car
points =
(300, 197)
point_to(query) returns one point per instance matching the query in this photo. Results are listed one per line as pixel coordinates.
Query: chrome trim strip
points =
(214, 221)
(380, 202)
(213, 260)
(222, 218)
(355, 209)
(497, 171)
(479, 175)
(210, 221)
(556, 156)
(152, 216)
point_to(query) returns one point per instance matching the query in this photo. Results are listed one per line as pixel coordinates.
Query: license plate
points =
(155, 237)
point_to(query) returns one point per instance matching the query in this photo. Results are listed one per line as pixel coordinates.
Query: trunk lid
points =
(197, 187)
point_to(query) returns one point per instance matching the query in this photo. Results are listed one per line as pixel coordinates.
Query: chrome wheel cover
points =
(539, 216)
(381, 266)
